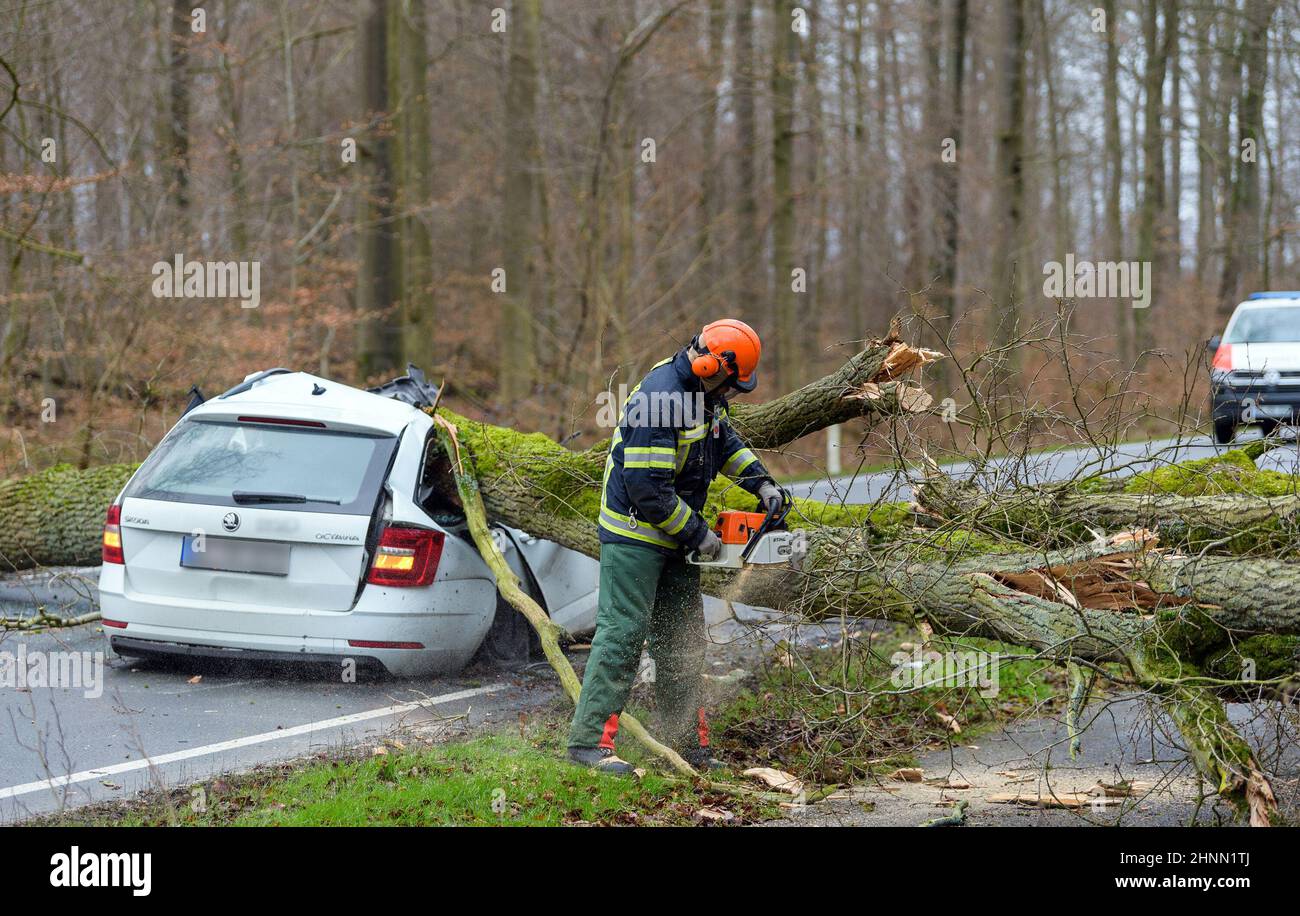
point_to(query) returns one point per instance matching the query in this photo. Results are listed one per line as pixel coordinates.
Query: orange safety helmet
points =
(732, 342)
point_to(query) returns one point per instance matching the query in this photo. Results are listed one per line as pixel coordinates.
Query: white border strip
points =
(236, 743)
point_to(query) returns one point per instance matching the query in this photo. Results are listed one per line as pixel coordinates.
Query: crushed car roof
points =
(303, 396)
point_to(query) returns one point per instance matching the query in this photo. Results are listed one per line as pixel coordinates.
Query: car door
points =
(568, 580)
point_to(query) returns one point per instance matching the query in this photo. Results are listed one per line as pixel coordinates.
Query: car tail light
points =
(113, 536)
(406, 557)
(1223, 358)
(115, 624)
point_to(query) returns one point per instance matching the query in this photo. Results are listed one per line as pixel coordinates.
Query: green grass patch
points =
(493, 780)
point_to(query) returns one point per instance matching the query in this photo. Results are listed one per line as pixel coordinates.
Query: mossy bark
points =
(56, 517)
(1233, 522)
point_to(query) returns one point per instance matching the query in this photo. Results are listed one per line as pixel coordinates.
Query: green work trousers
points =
(644, 592)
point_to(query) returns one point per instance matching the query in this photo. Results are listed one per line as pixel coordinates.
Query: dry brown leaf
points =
(777, 779)
(950, 721)
(908, 774)
(195, 679)
(714, 815)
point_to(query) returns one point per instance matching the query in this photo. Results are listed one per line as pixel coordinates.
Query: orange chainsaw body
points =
(735, 527)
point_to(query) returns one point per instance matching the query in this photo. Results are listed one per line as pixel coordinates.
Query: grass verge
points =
(501, 779)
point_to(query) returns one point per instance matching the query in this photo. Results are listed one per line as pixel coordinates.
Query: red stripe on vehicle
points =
(703, 728)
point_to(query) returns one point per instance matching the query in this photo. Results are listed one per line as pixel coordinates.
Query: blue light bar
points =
(1276, 294)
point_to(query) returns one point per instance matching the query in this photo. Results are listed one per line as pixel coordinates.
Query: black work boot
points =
(701, 759)
(600, 759)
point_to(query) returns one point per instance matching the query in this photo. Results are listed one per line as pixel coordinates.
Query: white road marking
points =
(236, 743)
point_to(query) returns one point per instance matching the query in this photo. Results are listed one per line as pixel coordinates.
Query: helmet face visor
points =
(745, 386)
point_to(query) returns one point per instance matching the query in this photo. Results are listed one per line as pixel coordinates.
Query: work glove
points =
(772, 496)
(711, 547)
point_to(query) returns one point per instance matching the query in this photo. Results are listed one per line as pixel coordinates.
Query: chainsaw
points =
(751, 538)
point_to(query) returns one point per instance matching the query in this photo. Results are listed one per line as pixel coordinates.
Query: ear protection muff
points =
(706, 365)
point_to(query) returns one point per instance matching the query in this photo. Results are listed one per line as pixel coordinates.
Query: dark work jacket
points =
(671, 441)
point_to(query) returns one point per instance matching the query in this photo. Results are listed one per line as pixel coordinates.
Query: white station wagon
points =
(1255, 365)
(290, 519)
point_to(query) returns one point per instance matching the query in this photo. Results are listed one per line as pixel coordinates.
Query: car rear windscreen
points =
(1276, 325)
(209, 462)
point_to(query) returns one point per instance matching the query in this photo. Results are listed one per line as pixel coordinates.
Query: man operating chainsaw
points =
(673, 438)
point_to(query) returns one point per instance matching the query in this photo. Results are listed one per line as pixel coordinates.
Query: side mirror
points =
(1212, 345)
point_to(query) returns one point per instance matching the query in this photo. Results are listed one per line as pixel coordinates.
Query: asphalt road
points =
(1061, 464)
(153, 725)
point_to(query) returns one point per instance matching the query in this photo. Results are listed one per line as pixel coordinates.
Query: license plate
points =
(267, 558)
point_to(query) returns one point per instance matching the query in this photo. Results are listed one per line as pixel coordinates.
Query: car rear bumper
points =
(1268, 402)
(134, 647)
(447, 620)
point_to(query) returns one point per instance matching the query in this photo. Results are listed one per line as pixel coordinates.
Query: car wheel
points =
(1268, 427)
(1224, 430)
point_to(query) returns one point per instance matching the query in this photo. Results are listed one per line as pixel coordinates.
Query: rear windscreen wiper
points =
(243, 496)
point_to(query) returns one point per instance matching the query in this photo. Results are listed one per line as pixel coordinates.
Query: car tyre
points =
(1268, 427)
(1224, 430)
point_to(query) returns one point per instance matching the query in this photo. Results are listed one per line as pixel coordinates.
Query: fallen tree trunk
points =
(1222, 504)
(56, 517)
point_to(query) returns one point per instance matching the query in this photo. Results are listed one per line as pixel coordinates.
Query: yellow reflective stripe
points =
(738, 462)
(649, 457)
(677, 521)
(622, 524)
(694, 434)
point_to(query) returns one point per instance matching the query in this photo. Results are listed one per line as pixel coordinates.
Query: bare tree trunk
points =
(1114, 157)
(230, 133)
(379, 347)
(710, 181)
(516, 368)
(1152, 206)
(1208, 155)
(1009, 177)
(749, 242)
(418, 311)
(1243, 255)
(785, 61)
(947, 180)
(179, 125)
